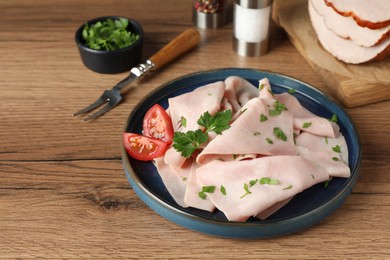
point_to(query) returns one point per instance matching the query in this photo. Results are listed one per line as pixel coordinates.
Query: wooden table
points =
(63, 191)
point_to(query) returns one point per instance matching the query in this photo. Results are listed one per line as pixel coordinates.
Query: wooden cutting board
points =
(352, 85)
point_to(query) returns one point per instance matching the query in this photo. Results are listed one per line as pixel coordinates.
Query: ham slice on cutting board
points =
(356, 44)
(235, 162)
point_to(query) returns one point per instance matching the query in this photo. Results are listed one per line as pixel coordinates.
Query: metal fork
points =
(182, 43)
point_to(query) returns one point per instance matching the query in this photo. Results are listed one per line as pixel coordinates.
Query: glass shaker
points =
(251, 27)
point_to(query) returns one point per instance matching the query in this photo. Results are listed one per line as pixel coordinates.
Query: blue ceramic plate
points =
(304, 210)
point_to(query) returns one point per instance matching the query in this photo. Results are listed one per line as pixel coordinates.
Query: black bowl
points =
(111, 62)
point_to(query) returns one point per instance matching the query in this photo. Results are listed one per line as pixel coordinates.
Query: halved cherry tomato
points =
(158, 124)
(143, 148)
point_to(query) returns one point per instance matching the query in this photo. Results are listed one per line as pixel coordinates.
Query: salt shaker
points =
(251, 27)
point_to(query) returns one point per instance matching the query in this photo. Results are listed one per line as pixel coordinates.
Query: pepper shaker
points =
(251, 27)
(209, 13)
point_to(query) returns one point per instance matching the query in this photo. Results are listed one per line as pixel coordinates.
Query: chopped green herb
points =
(263, 118)
(269, 140)
(183, 121)
(217, 123)
(288, 187)
(247, 191)
(306, 125)
(206, 189)
(279, 107)
(326, 184)
(223, 190)
(270, 91)
(188, 142)
(256, 133)
(261, 86)
(184, 178)
(269, 181)
(253, 182)
(202, 195)
(291, 91)
(335, 159)
(326, 140)
(337, 149)
(334, 118)
(280, 134)
(108, 35)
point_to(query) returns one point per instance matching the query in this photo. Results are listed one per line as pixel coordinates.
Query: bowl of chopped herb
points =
(110, 44)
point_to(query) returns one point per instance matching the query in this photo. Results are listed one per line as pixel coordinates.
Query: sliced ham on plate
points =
(244, 196)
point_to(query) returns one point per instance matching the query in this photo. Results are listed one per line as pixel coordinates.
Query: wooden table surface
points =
(63, 191)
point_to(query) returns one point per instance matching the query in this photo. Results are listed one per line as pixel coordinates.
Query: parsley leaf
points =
(188, 142)
(263, 118)
(337, 149)
(280, 134)
(206, 189)
(279, 107)
(223, 190)
(334, 118)
(217, 123)
(268, 180)
(306, 125)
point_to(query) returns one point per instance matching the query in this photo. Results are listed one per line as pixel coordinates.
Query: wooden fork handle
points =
(181, 44)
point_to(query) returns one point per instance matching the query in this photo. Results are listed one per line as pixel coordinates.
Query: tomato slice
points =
(143, 148)
(158, 124)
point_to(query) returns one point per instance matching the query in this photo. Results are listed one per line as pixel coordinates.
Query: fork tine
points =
(100, 112)
(100, 101)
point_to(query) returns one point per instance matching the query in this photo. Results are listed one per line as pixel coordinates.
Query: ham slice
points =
(303, 118)
(248, 134)
(373, 14)
(347, 28)
(238, 204)
(344, 49)
(191, 106)
(238, 92)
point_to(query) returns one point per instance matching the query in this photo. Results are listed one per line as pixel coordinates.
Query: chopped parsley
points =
(256, 133)
(291, 91)
(334, 118)
(280, 134)
(278, 108)
(222, 190)
(335, 159)
(206, 189)
(306, 125)
(247, 191)
(183, 121)
(269, 181)
(263, 118)
(288, 187)
(253, 182)
(269, 140)
(337, 149)
(326, 184)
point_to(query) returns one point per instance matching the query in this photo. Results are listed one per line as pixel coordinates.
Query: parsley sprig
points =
(108, 35)
(186, 143)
